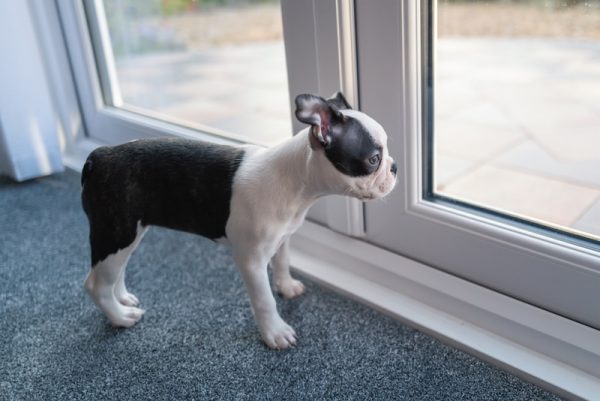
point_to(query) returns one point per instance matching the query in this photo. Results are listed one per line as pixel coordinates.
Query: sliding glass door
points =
(493, 112)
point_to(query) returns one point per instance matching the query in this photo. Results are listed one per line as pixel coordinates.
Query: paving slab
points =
(230, 88)
(448, 168)
(529, 156)
(528, 111)
(551, 202)
(589, 222)
(472, 139)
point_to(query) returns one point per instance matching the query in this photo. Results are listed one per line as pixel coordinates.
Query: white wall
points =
(29, 123)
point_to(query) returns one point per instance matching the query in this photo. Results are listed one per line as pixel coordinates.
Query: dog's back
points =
(175, 183)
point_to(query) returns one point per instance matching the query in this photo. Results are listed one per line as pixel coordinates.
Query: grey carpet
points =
(198, 340)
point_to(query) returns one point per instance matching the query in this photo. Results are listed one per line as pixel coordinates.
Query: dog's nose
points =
(394, 168)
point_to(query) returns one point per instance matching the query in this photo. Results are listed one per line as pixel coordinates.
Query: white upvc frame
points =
(349, 218)
(100, 37)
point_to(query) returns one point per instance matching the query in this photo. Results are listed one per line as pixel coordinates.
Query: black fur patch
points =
(351, 148)
(175, 183)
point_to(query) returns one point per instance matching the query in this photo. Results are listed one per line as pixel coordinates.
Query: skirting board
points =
(546, 349)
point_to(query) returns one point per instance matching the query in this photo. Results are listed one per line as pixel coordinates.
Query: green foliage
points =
(140, 8)
(134, 27)
(131, 29)
(170, 7)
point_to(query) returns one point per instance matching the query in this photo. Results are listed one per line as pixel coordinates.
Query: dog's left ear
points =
(317, 112)
(339, 101)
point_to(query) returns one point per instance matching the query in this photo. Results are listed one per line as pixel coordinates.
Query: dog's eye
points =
(373, 160)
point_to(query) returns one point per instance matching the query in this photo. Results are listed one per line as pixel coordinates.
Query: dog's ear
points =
(317, 112)
(339, 101)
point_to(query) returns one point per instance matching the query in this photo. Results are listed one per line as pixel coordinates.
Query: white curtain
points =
(29, 137)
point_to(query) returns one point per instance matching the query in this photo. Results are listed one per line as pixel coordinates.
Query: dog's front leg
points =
(286, 285)
(275, 332)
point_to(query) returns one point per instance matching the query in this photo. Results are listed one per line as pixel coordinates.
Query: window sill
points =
(549, 350)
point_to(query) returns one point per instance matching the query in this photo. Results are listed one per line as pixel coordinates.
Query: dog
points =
(250, 197)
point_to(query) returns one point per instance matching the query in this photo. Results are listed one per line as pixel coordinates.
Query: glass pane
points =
(203, 63)
(517, 109)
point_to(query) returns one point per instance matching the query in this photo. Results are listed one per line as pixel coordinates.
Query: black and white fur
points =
(250, 197)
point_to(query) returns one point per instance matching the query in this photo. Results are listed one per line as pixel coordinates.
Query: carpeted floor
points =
(197, 340)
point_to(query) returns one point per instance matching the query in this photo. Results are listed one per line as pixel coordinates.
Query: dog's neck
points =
(307, 171)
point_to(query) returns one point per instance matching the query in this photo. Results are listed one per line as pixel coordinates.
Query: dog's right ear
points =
(339, 101)
(317, 112)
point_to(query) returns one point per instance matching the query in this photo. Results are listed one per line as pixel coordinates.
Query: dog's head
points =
(354, 145)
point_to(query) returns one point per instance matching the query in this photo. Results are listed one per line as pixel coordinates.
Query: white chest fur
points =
(295, 222)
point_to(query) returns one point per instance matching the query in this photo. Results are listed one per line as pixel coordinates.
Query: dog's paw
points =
(127, 316)
(128, 299)
(278, 334)
(290, 288)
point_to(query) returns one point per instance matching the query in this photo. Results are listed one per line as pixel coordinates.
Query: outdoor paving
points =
(239, 89)
(517, 120)
(518, 128)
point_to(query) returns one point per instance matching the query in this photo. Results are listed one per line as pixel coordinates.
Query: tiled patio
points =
(518, 127)
(240, 89)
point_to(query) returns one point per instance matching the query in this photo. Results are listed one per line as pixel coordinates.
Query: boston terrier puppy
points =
(251, 197)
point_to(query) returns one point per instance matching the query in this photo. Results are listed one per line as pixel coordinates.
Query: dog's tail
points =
(87, 169)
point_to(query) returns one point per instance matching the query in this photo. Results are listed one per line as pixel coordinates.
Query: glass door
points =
(492, 112)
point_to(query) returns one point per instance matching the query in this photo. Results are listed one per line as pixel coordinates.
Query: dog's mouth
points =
(378, 188)
(365, 195)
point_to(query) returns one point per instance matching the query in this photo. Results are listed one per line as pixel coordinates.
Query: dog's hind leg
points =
(123, 296)
(287, 286)
(105, 283)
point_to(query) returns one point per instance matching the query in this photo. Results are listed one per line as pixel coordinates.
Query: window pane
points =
(517, 109)
(204, 63)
